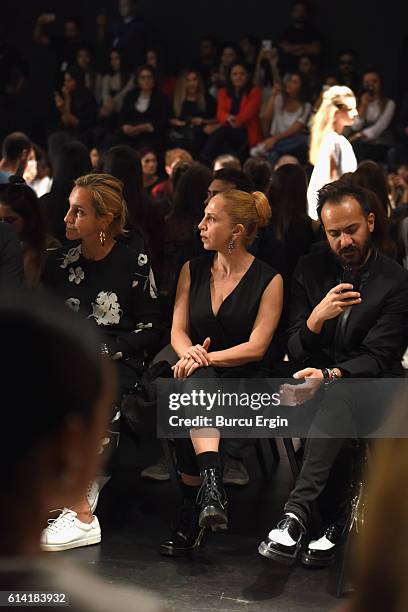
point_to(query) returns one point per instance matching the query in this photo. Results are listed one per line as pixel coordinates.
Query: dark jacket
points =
(11, 259)
(157, 113)
(375, 335)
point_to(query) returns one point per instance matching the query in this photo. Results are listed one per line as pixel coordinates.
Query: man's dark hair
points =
(14, 144)
(336, 192)
(238, 178)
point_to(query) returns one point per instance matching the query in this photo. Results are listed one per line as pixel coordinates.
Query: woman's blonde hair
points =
(334, 98)
(180, 92)
(107, 197)
(251, 210)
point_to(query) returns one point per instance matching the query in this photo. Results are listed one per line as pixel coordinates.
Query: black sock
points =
(189, 492)
(208, 459)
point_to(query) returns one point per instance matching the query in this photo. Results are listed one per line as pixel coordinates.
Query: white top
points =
(282, 119)
(377, 121)
(41, 186)
(142, 103)
(340, 150)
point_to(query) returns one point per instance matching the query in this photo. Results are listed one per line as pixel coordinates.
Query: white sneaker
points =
(67, 532)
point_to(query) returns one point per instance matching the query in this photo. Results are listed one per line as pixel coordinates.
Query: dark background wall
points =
(375, 29)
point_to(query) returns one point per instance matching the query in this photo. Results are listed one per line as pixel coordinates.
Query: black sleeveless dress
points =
(236, 316)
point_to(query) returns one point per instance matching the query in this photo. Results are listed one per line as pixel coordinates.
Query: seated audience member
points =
(149, 163)
(15, 151)
(260, 172)
(145, 112)
(287, 114)
(267, 72)
(65, 46)
(180, 240)
(144, 223)
(249, 46)
(19, 207)
(130, 34)
(114, 87)
(163, 191)
(231, 290)
(42, 182)
(371, 175)
(111, 285)
(193, 110)
(330, 152)
(95, 157)
(11, 259)
(312, 81)
(71, 161)
(354, 329)
(226, 161)
(346, 70)
(300, 38)
(372, 137)
(379, 569)
(76, 108)
(207, 59)
(399, 216)
(55, 453)
(165, 82)
(229, 178)
(238, 106)
(398, 155)
(230, 55)
(286, 159)
(398, 186)
(85, 63)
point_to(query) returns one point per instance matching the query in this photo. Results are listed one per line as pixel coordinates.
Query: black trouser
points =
(225, 139)
(327, 463)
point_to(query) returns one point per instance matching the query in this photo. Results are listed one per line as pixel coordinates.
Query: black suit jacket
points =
(376, 332)
(11, 259)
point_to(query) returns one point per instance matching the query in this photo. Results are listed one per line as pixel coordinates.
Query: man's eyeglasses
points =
(8, 219)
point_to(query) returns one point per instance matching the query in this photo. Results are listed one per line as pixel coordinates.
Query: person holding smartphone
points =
(372, 137)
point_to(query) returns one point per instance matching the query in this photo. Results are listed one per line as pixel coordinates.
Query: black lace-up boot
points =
(186, 535)
(212, 499)
(322, 552)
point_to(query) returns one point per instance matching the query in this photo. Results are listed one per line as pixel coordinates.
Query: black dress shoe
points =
(283, 542)
(317, 554)
(187, 535)
(212, 499)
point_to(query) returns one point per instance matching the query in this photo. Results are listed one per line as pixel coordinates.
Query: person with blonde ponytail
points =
(111, 286)
(228, 305)
(330, 152)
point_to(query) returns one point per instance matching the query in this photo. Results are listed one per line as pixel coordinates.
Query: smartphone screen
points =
(266, 45)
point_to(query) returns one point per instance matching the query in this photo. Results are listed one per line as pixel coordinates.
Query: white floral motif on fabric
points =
(152, 285)
(73, 303)
(106, 309)
(76, 275)
(141, 326)
(71, 257)
(135, 284)
(142, 259)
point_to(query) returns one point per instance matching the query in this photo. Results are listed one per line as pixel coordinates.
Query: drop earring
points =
(231, 246)
(102, 237)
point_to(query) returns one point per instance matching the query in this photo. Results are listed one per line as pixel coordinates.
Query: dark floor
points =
(227, 574)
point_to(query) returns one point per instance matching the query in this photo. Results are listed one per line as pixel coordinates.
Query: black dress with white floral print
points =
(118, 293)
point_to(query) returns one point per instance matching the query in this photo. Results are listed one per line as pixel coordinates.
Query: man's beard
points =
(357, 255)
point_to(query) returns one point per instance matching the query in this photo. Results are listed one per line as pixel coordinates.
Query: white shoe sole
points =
(68, 545)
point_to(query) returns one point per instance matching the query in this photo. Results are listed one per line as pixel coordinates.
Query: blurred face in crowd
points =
(372, 82)
(146, 81)
(192, 83)
(70, 84)
(149, 164)
(115, 61)
(229, 56)
(346, 63)
(348, 231)
(7, 215)
(293, 85)
(239, 77)
(217, 186)
(95, 158)
(83, 59)
(299, 13)
(71, 30)
(151, 58)
(346, 114)
(207, 49)
(305, 65)
(81, 220)
(30, 171)
(127, 8)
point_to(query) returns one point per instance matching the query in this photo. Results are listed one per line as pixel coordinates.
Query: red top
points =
(248, 116)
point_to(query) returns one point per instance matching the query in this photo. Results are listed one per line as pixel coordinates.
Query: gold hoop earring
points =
(102, 237)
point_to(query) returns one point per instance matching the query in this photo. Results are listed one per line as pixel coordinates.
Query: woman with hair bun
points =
(228, 305)
(330, 153)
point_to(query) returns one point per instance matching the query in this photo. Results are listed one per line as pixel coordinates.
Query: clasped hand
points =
(195, 357)
(293, 395)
